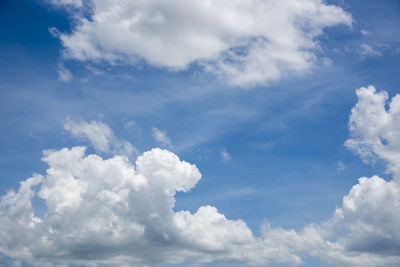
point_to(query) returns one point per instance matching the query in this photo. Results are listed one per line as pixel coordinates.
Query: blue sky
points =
(285, 161)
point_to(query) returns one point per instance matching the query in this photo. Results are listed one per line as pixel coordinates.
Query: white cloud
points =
(363, 232)
(246, 43)
(162, 137)
(371, 211)
(100, 135)
(375, 128)
(365, 32)
(113, 212)
(327, 62)
(367, 50)
(95, 71)
(225, 155)
(129, 124)
(75, 3)
(64, 74)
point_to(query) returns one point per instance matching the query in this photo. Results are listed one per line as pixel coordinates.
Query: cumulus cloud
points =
(100, 136)
(372, 213)
(162, 137)
(362, 232)
(113, 212)
(375, 128)
(246, 43)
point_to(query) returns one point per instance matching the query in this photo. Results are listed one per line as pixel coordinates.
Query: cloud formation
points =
(64, 74)
(246, 43)
(375, 128)
(113, 212)
(162, 137)
(225, 155)
(100, 136)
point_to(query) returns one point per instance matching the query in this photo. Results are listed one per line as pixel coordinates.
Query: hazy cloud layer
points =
(245, 43)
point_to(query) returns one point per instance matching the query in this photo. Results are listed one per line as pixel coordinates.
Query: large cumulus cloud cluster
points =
(109, 211)
(246, 43)
(91, 210)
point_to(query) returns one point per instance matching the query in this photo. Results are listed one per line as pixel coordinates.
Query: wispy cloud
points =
(64, 74)
(161, 137)
(100, 136)
(365, 32)
(224, 155)
(341, 166)
(367, 50)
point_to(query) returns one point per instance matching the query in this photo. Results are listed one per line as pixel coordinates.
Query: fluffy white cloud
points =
(100, 135)
(375, 128)
(244, 42)
(371, 211)
(363, 232)
(112, 212)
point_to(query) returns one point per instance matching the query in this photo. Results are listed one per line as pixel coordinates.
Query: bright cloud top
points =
(113, 212)
(246, 43)
(375, 128)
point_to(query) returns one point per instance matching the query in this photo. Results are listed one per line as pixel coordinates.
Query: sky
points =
(199, 133)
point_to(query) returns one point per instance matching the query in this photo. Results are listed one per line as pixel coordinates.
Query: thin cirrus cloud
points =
(245, 43)
(115, 212)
